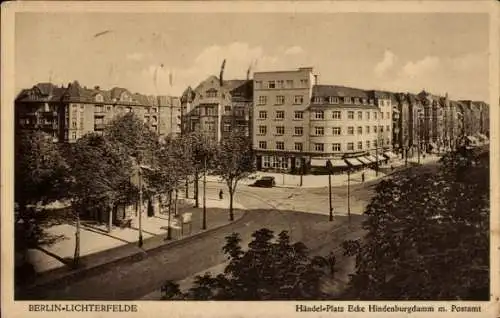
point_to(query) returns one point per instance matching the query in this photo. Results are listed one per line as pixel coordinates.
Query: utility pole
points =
(140, 207)
(204, 223)
(349, 195)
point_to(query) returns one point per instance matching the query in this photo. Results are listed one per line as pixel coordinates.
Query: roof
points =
(340, 91)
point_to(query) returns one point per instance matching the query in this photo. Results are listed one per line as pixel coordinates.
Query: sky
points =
(439, 52)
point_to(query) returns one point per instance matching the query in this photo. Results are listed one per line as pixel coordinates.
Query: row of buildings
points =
(68, 113)
(295, 123)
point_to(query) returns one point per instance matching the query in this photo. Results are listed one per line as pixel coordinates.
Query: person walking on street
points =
(221, 194)
(363, 177)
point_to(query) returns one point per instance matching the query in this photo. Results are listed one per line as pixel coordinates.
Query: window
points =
(365, 101)
(356, 100)
(360, 115)
(381, 129)
(387, 128)
(108, 108)
(73, 123)
(262, 100)
(367, 144)
(360, 130)
(298, 146)
(360, 145)
(262, 114)
(347, 100)
(304, 82)
(280, 84)
(289, 83)
(350, 114)
(375, 115)
(298, 114)
(336, 147)
(227, 109)
(319, 147)
(375, 129)
(350, 146)
(371, 102)
(375, 143)
(73, 135)
(388, 141)
(350, 130)
(368, 115)
(336, 115)
(227, 127)
(380, 102)
(280, 114)
(319, 131)
(317, 100)
(334, 100)
(319, 114)
(280, 100)
(336, 131)
(298, 100)
(388, 115)
(262, 144)
(98, 108)
(298, 131)
(271, 84)
(381, 115)
(258, 84)
(262, 130)
(211, 93)
(266, 163)
(280, 130)
(280, 145)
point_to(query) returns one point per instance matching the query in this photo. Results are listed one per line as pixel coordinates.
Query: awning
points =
(353, 162)
(371, 158)
(338, 163)
(390, 155)
(364, 160)
(318, 162)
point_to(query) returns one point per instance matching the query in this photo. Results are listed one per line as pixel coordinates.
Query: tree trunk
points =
(175, 202)
(196, 190)
(110, 220)
(231, 213)
(76, 257)
(187, 188)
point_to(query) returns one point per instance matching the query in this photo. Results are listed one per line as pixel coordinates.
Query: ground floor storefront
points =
(301, 163)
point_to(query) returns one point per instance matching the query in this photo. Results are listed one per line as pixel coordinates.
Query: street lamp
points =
(329, 166)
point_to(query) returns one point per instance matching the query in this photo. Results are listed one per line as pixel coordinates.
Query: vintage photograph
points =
(252, 156)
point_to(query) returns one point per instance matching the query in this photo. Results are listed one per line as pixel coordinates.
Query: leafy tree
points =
(133, 135)
(271, 269)
(41, 174)
(101, 174)
(234, 162)
(428, 235)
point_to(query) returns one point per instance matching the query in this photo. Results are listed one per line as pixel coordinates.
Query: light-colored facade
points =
(281, 119)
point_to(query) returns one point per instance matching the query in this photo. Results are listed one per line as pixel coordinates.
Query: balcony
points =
(99, 126)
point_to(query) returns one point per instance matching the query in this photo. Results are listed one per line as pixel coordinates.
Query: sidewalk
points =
(319, 181)
(97, 247)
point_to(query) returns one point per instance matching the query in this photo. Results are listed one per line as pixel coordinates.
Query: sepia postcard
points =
(250, 159)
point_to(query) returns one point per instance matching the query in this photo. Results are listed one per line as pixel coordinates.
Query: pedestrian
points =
(392, 168)
(221, 194)
(363, 177)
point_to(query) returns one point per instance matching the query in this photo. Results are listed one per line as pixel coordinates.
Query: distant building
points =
(68, 113)
(215, 111)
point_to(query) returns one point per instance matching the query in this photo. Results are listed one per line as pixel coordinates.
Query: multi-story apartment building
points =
(281, 118)
(216, 110)
(68, 113)
(297, 121)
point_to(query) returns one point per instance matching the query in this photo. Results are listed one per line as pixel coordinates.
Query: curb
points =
(137, 256)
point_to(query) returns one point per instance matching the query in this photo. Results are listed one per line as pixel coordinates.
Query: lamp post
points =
(301, 167)
(329, 166)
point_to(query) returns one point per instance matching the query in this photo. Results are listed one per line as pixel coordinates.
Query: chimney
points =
(316, 81)
(96, 87)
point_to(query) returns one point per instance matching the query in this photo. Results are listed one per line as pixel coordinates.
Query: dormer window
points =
(318, 100)
(99, 98)
(211, 93)
(380, 102)
(347, 100)
(334, 100)
(372, 102)
(364, 101)
(356, 100)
